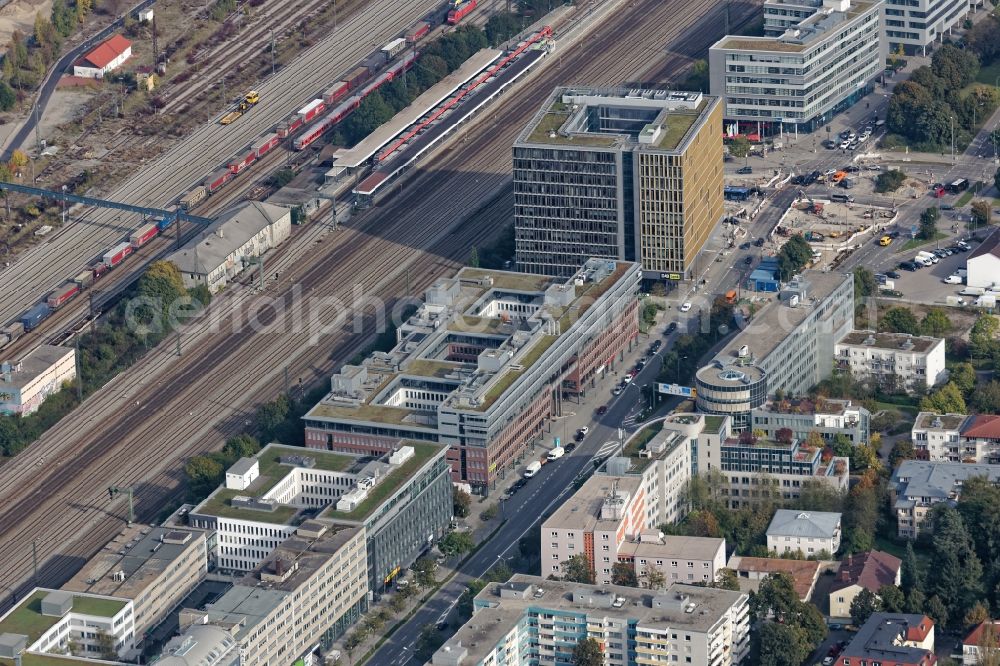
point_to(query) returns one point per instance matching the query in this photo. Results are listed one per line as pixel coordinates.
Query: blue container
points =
(35, 316)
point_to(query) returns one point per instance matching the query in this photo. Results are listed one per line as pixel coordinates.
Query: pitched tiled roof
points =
(989, 246)
(985, 426)
(870, 570)
(803, 572)
(975, 636)
(107, 51)
(885, 638)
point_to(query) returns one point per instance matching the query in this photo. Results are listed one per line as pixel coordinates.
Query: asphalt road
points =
(539, 497)
(52, 80)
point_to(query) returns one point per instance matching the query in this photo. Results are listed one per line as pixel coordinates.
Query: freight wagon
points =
(309, 112)
(418, 32)
(239, 163)
(460, 12)
(266, 144)
(10, 333)
(100, 268)
(194, 197)
(85, 279)
(289, 127)
(331, 96)
(393, 48)
(217, 180)
(117, 254)
(143, 235)
(35, 316)
(62, 294)
(357, 76)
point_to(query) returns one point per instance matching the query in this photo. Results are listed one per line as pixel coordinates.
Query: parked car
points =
(746, 246)
(671, 327)
(892, 275)
(602, 410)
(655, 347)
(570, 447)
(759, 242)
(829, 144)
(685, 306)
(617, 390)
(745, 169)
(953, 279)
(908, 266)
(748, 261)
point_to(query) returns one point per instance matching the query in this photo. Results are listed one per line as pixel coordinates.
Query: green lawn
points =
(27, 619)
(965, 198)
(98, 607)
(989, 75)
(918, 242)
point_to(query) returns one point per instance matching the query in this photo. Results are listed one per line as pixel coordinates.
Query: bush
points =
(889, 181)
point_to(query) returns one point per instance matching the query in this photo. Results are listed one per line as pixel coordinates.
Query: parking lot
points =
(926, 285)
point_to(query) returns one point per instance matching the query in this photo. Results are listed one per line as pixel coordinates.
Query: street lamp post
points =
(64, 205)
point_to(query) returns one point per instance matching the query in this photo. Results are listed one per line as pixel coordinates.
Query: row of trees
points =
(793, 256)
(930, 108)
(143, 318)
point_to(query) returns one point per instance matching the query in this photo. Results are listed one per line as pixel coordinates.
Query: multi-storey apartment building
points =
(305, 594)
(917, 24)
(799, 79)
(899, 360)
(957, 438)
(399, 499)
(533, 620)
(25, 384)
(787, 346)
(807, 532)
(632, 175)
(483, 365)
(802, 416)
(918, 485)
(751, 468)
(154, 567)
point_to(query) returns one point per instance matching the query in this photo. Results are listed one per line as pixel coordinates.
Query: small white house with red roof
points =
(106, 57)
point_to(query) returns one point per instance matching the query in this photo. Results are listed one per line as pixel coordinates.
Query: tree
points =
(423, 571)
(272, 414)
(946, 400)
(963, 376)
(622, 573)
(891, 599)
(655, 580)
(956, 66)
(936, 610)
(958, 573)
(983, 336)
(775, 597)
(7, 97)
(862, 606)
(461, 502)
(241, 446)
(577, 570)
(739, 147)
(899, 320)
(703, 524)
(203, 474)
(928, 223)
(889, 181)
(501, 26)
(935, 323)
(861, 513)
(106, 645)
(587, 652)
(456, 543)
(865, 283)
(976, 615)
(910, 572)
(988, 646)
(901, 450)
(429, 640)
(982, 213)
(18, 160)
(473, 588)
(780, 645)
(474, 257)
(728, 580)
(986, 399)
(793, 256)
(500, 572)
(865, 457)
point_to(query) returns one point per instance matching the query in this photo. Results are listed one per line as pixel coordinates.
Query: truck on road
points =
(533, 468)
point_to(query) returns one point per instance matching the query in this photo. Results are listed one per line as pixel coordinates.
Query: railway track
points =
(138, 430)
(45, 266)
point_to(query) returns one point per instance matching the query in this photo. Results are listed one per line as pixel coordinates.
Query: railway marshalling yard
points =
(139, 429)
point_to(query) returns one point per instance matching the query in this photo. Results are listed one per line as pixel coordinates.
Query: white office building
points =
(798, 80)
(780, 15)
(916, 24)
(808, 532)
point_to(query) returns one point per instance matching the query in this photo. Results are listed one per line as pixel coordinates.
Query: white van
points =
(533, 469)
(556, 453)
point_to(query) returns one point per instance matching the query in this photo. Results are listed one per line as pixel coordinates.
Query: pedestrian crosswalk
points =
(607, 449)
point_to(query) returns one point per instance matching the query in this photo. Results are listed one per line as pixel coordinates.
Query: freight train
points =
(334, 103)
(115, 256)
(72, 288)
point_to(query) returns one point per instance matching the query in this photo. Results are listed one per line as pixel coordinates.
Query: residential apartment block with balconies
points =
(957, 438)
(893, 360)
(533, 620)
(918, 485)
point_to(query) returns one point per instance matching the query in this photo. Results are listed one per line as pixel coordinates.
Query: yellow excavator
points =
(249, 100)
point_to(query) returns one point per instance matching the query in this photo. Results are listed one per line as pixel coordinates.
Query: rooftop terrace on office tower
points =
(618, 117)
